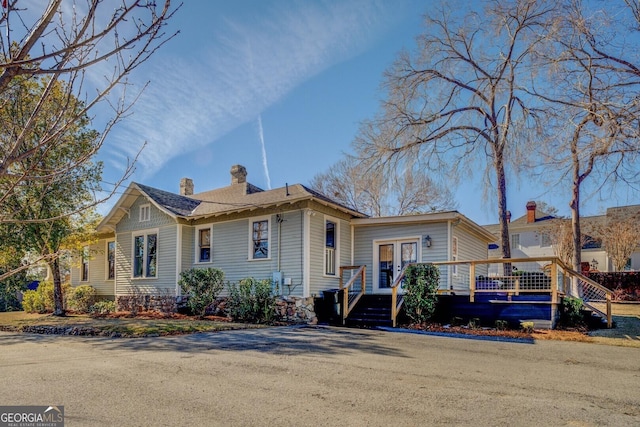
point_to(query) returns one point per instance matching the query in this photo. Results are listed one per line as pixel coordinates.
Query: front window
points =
(204, 245)
(85, 264)
(260, 239)
(145, 255)
(545, 240)
(111, 260)
(330, 248)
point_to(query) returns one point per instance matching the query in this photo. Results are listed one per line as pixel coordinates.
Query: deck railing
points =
(351, 294)
(516, 276)
(396, 303)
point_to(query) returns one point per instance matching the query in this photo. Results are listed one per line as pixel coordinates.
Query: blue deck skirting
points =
(490, 307)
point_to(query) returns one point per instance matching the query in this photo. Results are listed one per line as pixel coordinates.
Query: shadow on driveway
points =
(285, 340)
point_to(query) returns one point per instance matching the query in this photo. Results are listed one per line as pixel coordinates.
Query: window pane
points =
(138, 256)
(111, 260)
(261, 239)
(515, 241)
(151, 254)
(385, 255)
(330, 239)
(205, 245)
(85, 264)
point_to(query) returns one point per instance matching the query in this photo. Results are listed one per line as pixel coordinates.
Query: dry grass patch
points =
(117, 325)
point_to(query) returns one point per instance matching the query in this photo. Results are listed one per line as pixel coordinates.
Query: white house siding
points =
(292, 253)
(166, 226)
(230, 250)
(470, 247)
(97, 271)
(320, 281)
(188, 248)
(365, 236)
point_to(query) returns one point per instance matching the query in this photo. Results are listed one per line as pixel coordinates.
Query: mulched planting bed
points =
(465, 330)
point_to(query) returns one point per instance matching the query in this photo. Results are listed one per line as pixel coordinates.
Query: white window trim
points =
(85, 258)
(146, 208)
(269, 240)
(197, 243)
(336, 249)
(106, 261)
(145, 233)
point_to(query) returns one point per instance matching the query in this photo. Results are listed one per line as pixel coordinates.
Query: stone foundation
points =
(288, 309)
(296, 310)
(146, 302)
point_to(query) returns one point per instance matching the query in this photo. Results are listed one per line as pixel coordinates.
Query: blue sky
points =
(279, 86)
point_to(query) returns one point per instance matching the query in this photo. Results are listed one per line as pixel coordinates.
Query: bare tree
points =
(456, 104)
(561, 236)
(592, 108)
(79, 55)
(619, 233)
(376, 193)
(72, 43)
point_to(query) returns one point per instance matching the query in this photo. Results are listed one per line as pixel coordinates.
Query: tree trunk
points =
(501, 184)
(58, 303)
(575, 220)
(575, 231)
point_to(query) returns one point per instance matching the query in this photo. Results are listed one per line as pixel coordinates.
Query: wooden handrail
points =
(395, 306)
(346, 306)
(607, 292)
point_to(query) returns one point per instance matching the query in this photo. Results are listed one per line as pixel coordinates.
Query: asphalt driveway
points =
(321, 376)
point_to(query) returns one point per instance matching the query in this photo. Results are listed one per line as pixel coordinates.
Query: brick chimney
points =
(238, 174)
(186, 187)
(531, 212)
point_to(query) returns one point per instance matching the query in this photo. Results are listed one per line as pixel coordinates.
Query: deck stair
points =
(371, 311)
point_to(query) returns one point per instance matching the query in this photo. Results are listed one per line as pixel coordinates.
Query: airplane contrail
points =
(264, 152)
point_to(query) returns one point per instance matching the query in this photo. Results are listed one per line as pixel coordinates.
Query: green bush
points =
(571, 312)
(41, 300)
(251, 300)
(103, 307)
(526, 327)
(9, 289)
(502, 325)
(81, 298)
(201, 286)
(32, 302)
(420, 291)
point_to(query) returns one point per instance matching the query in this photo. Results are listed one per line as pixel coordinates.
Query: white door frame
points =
(397, 242)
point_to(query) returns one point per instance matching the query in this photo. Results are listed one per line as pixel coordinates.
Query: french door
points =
(390, 258)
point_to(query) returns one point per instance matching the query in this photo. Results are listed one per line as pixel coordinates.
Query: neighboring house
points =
(531, 235)
(292, 235)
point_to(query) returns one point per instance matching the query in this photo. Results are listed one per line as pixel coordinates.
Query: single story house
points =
(292, 235)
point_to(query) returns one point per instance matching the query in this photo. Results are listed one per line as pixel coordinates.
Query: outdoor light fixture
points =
(427, 241)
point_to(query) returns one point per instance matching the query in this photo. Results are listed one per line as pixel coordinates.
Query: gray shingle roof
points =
(174, 203)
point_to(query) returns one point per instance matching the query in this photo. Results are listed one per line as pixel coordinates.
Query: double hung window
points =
(145, 255)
